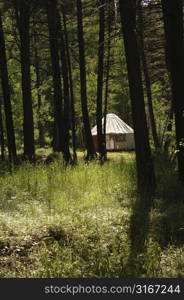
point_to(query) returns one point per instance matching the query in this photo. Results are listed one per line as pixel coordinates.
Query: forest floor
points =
(76, 221)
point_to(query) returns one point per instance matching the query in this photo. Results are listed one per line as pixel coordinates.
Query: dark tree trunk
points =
(168, 139)
(7, 99)
(23, 22)
(53, 26)
(173, 23)
(2, 143)
(147, 78)
(145, 169)
(41, 139)
(107, 73)
(100, 135)
(66, 117)
(88, 137)
(70, 87)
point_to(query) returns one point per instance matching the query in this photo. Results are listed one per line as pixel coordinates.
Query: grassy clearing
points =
(74, 222)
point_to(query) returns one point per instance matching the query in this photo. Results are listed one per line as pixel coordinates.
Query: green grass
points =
(74, 221)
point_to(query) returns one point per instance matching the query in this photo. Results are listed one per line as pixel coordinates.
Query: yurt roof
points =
(114, 125)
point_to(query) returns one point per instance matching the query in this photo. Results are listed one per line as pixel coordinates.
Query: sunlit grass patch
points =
(74, 221)
(83, 200)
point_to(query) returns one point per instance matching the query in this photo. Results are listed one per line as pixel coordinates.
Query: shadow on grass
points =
(138, 232)
(158, 218)
(167, 224)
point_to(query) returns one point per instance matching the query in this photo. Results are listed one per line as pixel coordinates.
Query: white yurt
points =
(119, 136)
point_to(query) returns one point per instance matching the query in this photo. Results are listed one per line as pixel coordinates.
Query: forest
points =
(71, 206)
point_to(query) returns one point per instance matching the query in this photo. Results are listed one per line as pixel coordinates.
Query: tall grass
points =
(74, 222)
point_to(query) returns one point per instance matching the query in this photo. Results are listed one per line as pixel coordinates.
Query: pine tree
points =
(173, 23)
(7, 97)
(145, 169)
(23, 13)
(87, 129)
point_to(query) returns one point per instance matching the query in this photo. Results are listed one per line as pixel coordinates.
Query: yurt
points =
(119, 136)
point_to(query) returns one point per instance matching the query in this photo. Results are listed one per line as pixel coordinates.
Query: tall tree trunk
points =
(54, 51)
(100, 135)
(2, 143)
(23, 22)
(7, 99)
(173, 24)
(89, 141)
(39, 97)
(168, 139)
(147, 78)
(66, 117)
(145, 169)
(70, 86)
(107, 73)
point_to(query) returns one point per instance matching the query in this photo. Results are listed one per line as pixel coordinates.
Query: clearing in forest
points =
(75, 222)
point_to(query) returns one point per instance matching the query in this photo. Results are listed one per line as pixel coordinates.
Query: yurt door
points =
(109, 142)
(112, 143)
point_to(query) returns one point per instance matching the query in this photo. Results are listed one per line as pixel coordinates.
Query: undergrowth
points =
(58, 221)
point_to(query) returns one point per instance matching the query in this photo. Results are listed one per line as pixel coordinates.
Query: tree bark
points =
(173, 24)
(66, 119)
(2, 143)
(100, 135)
(73, 125)
(145, 169)
(53, 27)
(23, 23)
(88, 137)
(41, 139)
(7, 98)
(107, 73)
